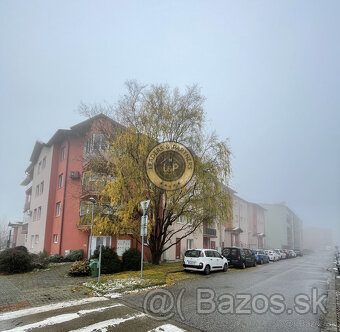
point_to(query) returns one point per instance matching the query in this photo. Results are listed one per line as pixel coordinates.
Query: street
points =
(199, 304)
(287, 278)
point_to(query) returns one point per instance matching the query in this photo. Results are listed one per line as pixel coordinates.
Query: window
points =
(58, 205)
(43, 163)
(97, 142)
(55, 238)
(85, 208)
(180, 220)
(32, 241)
(39, 213)
(189, 244)
(41, 187)
(36, 239)
(35, 215)
(63, 153)
(60, 181)
(37, 190)
(39, 167)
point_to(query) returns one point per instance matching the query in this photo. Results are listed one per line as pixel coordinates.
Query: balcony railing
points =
(94, 183)
(27, 206)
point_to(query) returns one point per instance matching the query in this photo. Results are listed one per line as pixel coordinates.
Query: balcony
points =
(93, 184)
(210, 232)
(27, 206)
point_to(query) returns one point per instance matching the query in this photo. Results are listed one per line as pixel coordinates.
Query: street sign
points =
(143, 230)
(144, 226)
(145, 205)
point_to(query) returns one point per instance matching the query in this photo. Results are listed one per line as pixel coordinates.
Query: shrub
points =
(21, 248)
(15, 261)
(75, 255)
(110, 262)
(39, 261)
(131, 260)
(56, 258)
(80, 268)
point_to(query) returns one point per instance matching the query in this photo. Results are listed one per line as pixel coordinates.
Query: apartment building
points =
(55, 193)
(283, 227)
(247, 229)
(57, 206)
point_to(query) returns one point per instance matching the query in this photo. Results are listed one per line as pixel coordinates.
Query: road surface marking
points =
(61, 318)
(102, 326)
(50, 307)
(167, 328)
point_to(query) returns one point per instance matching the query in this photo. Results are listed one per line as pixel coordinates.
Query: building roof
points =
(59, 136)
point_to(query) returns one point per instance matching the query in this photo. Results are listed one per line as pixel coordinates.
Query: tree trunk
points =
(156, 257)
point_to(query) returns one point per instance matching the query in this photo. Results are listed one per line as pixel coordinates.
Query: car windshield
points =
(192, 253)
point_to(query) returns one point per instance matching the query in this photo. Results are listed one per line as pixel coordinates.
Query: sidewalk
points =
(337, 288)
(40, 287)
(331, 321)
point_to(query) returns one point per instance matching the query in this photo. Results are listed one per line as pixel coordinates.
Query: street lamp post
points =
(93, 201)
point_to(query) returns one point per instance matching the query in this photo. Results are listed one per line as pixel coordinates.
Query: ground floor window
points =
(100, 240)
(189, 244)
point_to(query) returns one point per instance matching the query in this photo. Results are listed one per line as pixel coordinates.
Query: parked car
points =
(277, 256)
(241, 257)
(298, 252)
(292, 253)
(288, 255)
(261, 256)
(204, 260)
(272, 255)
(280, 253)
(277, 252)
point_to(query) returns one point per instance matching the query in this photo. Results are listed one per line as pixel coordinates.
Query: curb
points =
(330, 318)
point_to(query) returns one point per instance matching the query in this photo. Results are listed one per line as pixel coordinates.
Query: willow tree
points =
(150, 115)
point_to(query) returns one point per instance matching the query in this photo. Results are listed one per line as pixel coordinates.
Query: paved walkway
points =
(40, 287)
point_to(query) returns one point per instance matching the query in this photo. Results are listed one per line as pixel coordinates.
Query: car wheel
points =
(225, 268)
(254, 264)
(261, 262)
(207, 270)
(243, 266)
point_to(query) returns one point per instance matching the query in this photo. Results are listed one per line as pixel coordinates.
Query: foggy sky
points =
(270, 72)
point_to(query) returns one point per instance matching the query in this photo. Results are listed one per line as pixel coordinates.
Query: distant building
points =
(247, 228)
(283, 227)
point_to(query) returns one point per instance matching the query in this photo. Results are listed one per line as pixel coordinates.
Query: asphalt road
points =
(213, 303)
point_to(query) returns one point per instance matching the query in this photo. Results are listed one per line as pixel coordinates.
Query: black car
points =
(240, 257)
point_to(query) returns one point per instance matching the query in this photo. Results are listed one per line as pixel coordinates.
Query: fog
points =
(269, 71)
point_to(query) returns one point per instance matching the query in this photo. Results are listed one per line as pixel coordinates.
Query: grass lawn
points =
(153, 276)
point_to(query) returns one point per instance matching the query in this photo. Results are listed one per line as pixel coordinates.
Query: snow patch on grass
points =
(114, 286)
